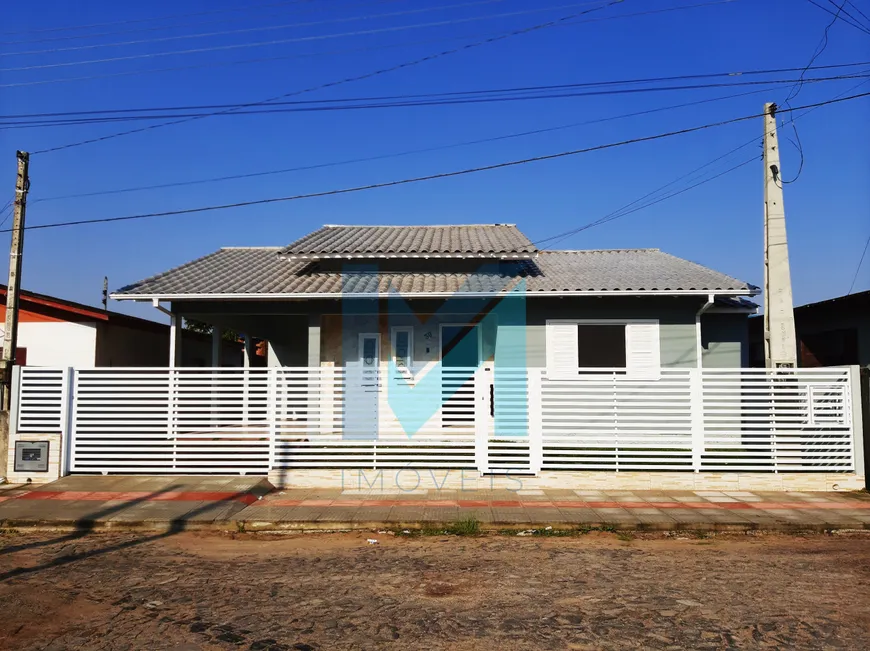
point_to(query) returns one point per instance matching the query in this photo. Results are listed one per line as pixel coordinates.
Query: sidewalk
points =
(251, 502)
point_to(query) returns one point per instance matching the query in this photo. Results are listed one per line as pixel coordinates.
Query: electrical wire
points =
(148, 20)
(265, 28)
(431, 177)
(155, 28)
(211, 64)
(331, 84)
(845, 20)
(845, 11)
(515, 89)
(409, 152)
(435, 101)
(298, 39)
(858, 9)
(860, 262)
(621, 211)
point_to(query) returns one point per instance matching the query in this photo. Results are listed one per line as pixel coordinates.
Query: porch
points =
(314, 425)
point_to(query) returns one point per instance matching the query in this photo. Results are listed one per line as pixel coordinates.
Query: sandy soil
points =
(335, 591)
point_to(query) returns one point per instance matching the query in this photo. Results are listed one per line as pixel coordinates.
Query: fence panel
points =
(604, 420)
(181, 421)
(777, 420)
(222, 420)
(42, 396)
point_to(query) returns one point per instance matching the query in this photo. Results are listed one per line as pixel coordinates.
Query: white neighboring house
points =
(57, 332)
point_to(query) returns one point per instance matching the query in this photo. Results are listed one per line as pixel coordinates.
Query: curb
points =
(325, 526)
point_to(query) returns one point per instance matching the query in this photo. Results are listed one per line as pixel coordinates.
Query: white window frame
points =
(393, 332)
(622, 372)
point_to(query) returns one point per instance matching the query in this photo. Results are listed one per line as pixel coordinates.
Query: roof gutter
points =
(155, 298)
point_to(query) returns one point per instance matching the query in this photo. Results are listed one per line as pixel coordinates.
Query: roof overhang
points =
(373, 295)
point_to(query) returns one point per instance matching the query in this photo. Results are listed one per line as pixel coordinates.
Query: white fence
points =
(230, 420)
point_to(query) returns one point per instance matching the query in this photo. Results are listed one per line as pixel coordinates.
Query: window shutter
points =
(642, 350)
(562, 358)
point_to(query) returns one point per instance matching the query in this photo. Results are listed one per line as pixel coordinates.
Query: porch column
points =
(248, 351)
(216, 345)
(175, 331)
(313, 340)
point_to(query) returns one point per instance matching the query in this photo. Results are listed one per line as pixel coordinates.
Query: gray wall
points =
(724, 340)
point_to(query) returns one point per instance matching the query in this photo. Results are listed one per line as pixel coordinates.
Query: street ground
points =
(600, 590)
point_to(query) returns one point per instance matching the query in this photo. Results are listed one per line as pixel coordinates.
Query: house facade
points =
(408, 295)
(459, 356)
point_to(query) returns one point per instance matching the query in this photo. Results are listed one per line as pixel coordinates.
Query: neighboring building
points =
(834, 332)
(56, 332)
(412, 294)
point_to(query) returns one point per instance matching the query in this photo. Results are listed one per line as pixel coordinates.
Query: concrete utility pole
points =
(780, 347)
(10, 334)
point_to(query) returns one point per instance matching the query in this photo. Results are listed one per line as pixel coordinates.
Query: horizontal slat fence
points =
(498, 420)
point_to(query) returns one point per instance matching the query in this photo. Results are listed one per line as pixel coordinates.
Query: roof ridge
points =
(650, 250)
(251, 248)
(416, 225)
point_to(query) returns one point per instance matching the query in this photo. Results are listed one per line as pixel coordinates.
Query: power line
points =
(262, 28)
(430, 177)
(860, 262)
(845, 11)
(211, 64)
(822, 45)
(437, 100)
(298, 39)
(339, 82)
(590, 84)
(621, 211)
(858, 9)
(397, 154)
(845, 20)
(148, 20)
(137, 30)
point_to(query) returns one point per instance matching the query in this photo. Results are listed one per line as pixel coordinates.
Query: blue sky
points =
(718, 224)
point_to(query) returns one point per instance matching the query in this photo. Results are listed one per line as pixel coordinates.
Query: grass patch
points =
(466, 527)
(625, 536)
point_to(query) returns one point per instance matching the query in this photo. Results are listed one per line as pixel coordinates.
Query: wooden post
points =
(10, 335)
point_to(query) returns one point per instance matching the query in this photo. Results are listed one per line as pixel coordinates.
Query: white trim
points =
(373, 295)
(410, 330)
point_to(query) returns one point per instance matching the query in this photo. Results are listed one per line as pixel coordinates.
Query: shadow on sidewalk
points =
(86, 527)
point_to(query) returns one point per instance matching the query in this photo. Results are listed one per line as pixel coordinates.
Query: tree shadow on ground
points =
(86, 526)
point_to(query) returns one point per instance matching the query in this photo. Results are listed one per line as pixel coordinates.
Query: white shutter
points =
(562, 357)
(642, 350)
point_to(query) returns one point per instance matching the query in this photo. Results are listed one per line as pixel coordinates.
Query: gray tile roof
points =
(467, 240)
(263, 272)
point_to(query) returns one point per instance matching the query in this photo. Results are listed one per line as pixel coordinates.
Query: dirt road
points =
(335, 591)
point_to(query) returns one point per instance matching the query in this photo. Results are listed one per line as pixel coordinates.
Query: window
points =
(573, 345)
(601, 345)
(403, 342)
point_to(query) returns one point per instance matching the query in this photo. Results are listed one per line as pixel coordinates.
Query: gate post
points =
(481, 417)
(857, 417)
(696, 403)
(272, 412)
(535, 417)
(68, 417)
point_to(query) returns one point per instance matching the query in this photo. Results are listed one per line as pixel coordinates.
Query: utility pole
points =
(780, 347)
(10, 334)
(105, 292)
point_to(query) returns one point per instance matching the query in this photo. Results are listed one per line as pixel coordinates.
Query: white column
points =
(696, 405)
(536, 420)
(216, 345)
(175, 331)
(248, 351)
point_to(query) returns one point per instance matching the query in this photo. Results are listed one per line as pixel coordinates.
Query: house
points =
(57, 332)
(455, 356)
(829, 333)
(346, 294)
